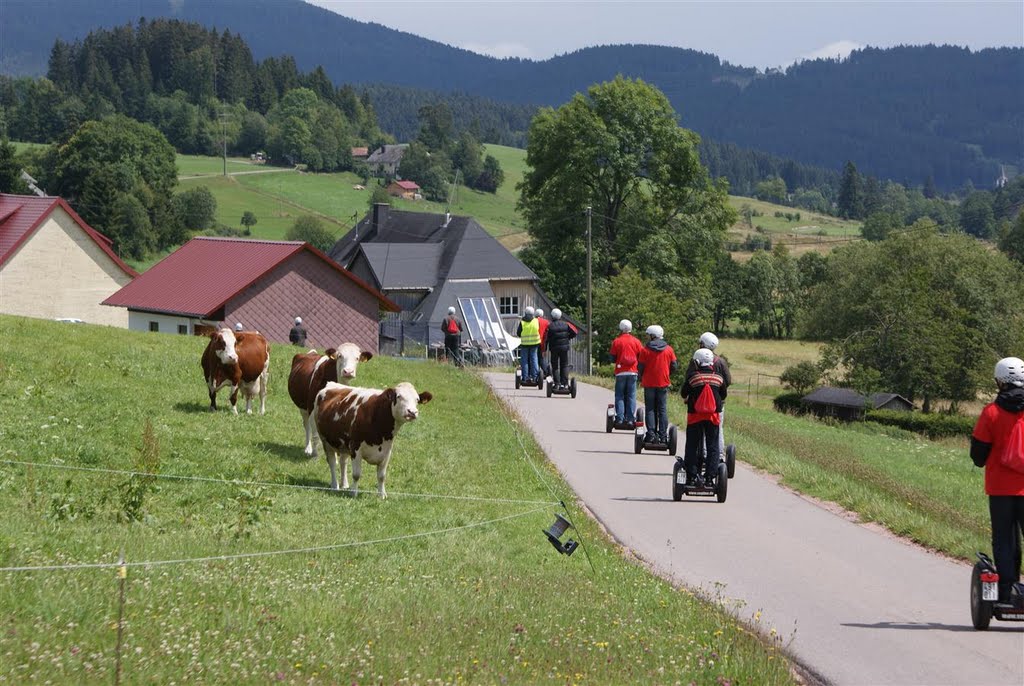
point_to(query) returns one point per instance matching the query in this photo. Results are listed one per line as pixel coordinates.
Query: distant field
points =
(813, 232)
(198, 165)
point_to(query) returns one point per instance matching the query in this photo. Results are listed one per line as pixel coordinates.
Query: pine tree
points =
(851, 194)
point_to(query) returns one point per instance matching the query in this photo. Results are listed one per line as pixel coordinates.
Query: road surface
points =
(861, 606)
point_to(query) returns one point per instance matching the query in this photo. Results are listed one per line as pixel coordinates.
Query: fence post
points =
(401, 338)
(122, 575)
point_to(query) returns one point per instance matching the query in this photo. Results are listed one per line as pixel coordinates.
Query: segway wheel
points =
(640, 415)
(981, 610)
(638, 443)
(673, 436)
(677, 488)
(572, 387)
(722, 485)
(730, 459)
(519, 381)
(608, 424)
(550, 389)
(540, 382)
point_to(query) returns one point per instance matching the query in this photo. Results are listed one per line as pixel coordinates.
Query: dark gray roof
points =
(387, 154)
(880, 399)
(842, 397)
(403, 265)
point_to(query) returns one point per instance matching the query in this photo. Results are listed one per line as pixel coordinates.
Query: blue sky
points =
(745, 32)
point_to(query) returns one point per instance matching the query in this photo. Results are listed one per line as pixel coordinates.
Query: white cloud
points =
(840, 49)
(500, 49)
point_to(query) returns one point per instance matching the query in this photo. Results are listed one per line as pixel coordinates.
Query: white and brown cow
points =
(361, 423)
(239, 358)
(312, 371)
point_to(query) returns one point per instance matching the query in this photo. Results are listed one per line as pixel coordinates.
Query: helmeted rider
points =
(709, 341)
(625, 352)
(655, 364)
(528, 332)
(997, 444)
(704, 390)
(560, 335)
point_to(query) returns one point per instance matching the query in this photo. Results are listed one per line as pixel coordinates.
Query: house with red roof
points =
(53, 265)
(404, 189)
(212, 282)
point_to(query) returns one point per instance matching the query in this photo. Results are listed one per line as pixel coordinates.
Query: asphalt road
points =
(854, 605)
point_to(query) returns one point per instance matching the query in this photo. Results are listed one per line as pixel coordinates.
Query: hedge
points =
(789, 403)
(931, 425)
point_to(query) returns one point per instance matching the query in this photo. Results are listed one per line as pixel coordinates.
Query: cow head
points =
(346, 357)
(405, 401)
(224, 346)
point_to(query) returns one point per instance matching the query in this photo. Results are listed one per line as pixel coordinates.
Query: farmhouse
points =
(360, 153)
(428, 262)
(404, 189)
(214, 282)
(384, 161)
(55, 266)
(848, 404)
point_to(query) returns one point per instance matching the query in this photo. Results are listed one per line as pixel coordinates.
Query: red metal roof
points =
(408, 185)
(21, 215)
(201, 276)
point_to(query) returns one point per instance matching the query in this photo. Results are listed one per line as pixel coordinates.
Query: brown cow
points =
(242, 359)
(361, 423)
(312, 371)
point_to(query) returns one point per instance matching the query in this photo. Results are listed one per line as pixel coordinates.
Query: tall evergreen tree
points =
(851, 194)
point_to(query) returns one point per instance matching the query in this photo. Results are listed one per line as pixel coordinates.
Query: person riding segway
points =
(655, 363)
(625, 352)
(727, 453)
(528, 332)
(704, 390)
(559, 336)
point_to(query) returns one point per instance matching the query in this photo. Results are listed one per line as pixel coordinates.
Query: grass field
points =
(489, 602)
(199, 165)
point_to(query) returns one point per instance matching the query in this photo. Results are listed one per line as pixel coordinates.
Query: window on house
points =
(508, 304)
(183, 329)
(154, 326)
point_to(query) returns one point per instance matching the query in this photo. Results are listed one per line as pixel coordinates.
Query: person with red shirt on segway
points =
(655, 364)
(625, 352)
(704, 390)
(544, 364)
(452, 329)
(997, 444)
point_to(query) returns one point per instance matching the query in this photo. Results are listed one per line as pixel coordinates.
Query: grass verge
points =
(487, 604)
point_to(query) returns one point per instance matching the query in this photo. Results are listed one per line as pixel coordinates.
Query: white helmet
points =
(298, 320)
(238, 326)
(1010, 372)
(556, 313)
(708, 340)
(704, 357)
(655, 331)
(451, 310)
(540, 313)
(625, 326)
(528, 310)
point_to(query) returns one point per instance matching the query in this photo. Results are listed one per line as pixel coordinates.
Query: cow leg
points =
(264, 380)
(311, 435)
(382, 474)
(211, 388)
(333, 456)
(357, 471)
(234, 399)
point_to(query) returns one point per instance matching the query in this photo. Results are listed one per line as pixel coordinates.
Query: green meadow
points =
(246, 570)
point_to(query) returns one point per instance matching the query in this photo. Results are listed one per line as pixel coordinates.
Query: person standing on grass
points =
(297, 335)
(997, 444)
(704, 390)
(560, 336)
(655, 364)
(625, 352)
(528, 332)
(452, 329)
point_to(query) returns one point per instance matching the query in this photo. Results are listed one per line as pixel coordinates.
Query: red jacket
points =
(994, 427)
(625, 351)
(658, 362)
(543, 324)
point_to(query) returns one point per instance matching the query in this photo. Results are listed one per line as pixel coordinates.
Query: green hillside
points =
(449, 580)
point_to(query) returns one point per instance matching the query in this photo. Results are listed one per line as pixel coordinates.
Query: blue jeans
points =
(700, 434)
(656, 400)
(528, 361)
(625, 398)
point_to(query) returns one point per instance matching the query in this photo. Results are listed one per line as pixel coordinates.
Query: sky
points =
(748, 33)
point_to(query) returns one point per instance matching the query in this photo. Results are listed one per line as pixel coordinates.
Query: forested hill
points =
(906, 113)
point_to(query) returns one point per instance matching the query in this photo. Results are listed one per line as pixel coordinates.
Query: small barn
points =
(55, 266)
(212, 282)
(891, 401)
(847, 404)
(404, 189)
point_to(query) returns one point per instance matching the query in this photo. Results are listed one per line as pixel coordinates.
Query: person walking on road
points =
(704, 390)
(297, 335)
(528, 332)
(655, 364)
(997, 444)
(624, 352)
(560, 336)
(452, 329)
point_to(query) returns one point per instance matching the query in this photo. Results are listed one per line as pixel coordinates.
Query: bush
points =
(312, 231)
(789, 403)
(801, 378)
(931, 425)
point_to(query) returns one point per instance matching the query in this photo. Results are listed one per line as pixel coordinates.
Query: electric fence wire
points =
(265, 553)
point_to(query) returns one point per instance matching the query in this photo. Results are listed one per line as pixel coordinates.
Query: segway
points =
(985, 596)
(729, 459)
(520, 381)
(719, 486)
(640, 443)
(557, 389)
(627, 425)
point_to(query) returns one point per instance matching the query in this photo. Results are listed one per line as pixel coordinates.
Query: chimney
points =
(380, 215)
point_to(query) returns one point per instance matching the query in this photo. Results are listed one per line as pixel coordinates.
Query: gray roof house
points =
(428, 262)
(846, 403)
(384, 160)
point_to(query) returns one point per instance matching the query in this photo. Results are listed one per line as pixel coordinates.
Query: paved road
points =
(866, 607)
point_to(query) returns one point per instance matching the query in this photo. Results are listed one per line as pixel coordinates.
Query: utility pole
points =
(224, 139)
(590, 324)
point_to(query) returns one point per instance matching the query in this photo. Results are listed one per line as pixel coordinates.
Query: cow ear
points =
(365, 356)
(391, 394)
(426, 397)
(331, 353)
(213, 335)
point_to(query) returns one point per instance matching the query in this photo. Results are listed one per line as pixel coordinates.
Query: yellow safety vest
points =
(531, 333)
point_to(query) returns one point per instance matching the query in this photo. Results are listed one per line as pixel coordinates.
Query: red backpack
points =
(706, 401)
(1013, 451)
